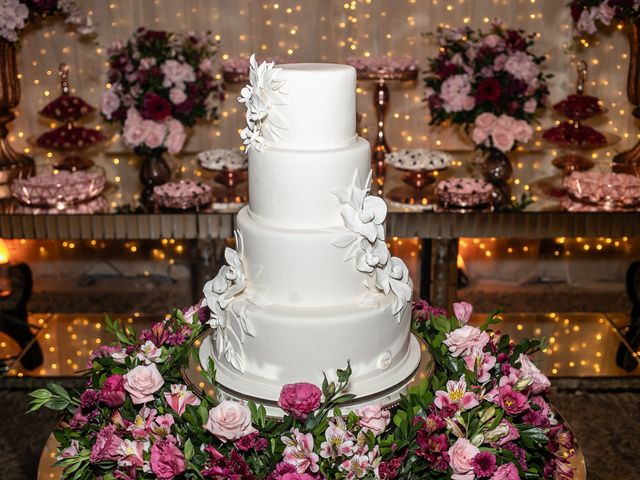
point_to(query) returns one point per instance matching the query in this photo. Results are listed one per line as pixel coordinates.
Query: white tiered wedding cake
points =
(312, 284)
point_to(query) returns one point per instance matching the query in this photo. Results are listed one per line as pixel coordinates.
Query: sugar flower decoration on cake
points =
(224, 297)
(364, 217)
(264, 91)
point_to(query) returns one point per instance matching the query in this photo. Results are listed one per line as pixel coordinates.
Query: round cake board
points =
(388, 398)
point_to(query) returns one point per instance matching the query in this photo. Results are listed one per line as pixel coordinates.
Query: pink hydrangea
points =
(522, 67)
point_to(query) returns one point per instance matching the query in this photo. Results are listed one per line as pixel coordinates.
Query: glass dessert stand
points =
(228, 168)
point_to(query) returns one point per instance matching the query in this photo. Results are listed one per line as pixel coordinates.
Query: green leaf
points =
(535, 434)
(57, 404)
(59, 390)
(41, 394)
(188, 450)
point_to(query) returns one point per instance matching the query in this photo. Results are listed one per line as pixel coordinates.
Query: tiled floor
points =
(577, 344)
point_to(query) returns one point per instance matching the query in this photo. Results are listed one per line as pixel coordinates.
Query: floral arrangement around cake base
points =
(482, 414)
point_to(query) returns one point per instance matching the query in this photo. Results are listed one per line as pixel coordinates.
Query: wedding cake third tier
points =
(311, 284)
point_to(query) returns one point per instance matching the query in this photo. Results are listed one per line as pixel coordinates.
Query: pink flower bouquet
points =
(490, 83)
(160, 83)
(482, 414)
(589, 15)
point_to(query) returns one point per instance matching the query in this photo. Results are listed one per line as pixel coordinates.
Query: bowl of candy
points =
(60, 189)
(182, 195)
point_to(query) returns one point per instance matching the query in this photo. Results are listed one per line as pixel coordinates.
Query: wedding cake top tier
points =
(303, 106)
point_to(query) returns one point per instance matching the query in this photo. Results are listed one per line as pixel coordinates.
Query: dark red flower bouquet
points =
(159, 83)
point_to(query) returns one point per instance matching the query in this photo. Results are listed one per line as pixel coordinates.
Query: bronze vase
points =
(12, 163)
(497, 170)
(629, 160)
(154, 171)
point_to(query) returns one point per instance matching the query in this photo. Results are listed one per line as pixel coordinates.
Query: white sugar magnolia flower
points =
(229, 308)
(371, 255)
(394, 277)
(258, 97)
(229, 281)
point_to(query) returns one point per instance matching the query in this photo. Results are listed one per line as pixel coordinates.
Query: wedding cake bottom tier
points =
(289, 345)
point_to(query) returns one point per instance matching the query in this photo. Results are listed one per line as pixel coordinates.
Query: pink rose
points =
(155, 134)
(508, 471)
(299, 399)
(465, 340)
(492, 40)
(142, 382)
(468, 103)
(167, 461)
(112, 393)
(528, 369)
(522, 131)
(177, 96)
(229, 421)
(206, 65)
(110, 103)
(179, 397)
(373, 418)
(502, 139)
(134, 131)
(531, 105)
(586, 23)
(176, 137)
(106, 446)
(462, 311)
(486, 121)
(499, 62)
(147, 62)
(513, 402)
(461, 455)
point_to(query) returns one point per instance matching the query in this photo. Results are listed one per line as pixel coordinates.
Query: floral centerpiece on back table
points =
(490, 83)
(159, 84)
(481, 415)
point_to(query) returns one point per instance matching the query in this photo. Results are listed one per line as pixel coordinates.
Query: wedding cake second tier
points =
(311, 284)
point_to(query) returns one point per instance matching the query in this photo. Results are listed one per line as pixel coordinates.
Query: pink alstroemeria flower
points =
(299, 452)
(456, 394)
(179, 397)
(480, 363)
(339, 441)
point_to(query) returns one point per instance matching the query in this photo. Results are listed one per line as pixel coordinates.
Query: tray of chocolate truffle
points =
(571, 136)
(228, 168)
(61, 191)
(595, 191)
(419, 169)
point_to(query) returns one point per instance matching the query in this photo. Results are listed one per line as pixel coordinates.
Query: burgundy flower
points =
(43, 6)
(576, 10)
(519, 454)
(489, 90)
(112, 393)
(484, 464)
(389, 470)
(89, 400)
(513, 402)
(433, 423)
(232, 467)
(155, 108)
(158, 334)
(251, 442)
(423, 312)
(179, 337)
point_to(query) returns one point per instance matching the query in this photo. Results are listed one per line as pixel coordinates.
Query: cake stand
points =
(230, 171)
(381, 105)
(389, 398)
(419, 168)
